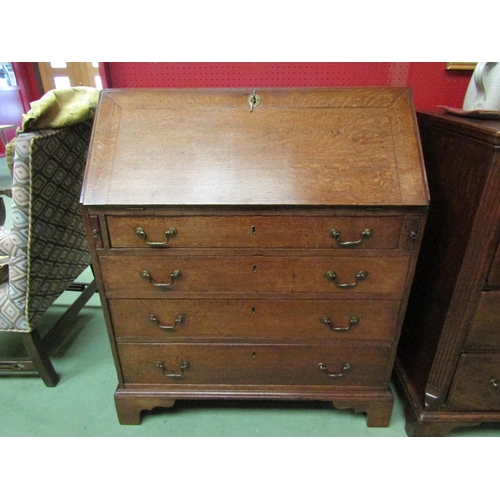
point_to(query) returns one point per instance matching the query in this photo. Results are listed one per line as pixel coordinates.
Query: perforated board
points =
(431, 83)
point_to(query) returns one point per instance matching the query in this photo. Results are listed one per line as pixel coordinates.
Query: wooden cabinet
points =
(448, 363)
(255, 251)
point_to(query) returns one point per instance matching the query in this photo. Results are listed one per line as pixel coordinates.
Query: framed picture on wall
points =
(469, 66)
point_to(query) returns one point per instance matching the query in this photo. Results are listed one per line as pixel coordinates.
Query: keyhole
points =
(253, 310)
(254, 230)
(254, 269)
(254, 355)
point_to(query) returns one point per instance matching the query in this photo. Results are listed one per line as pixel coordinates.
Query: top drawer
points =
(254, 232)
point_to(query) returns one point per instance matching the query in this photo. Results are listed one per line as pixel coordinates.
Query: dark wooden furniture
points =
(255, 246)
(448, 363)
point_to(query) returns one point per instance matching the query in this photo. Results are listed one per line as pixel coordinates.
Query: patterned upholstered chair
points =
(45, 249)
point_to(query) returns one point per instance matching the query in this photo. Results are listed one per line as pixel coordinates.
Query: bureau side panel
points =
(451, 265)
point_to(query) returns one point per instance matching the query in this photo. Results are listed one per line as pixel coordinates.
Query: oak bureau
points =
(255, 243)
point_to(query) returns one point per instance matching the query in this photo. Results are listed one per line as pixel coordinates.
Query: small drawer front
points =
(484, 332)
(477, 383)
(340, 275)
(494, 276)
(254, 232)
(257, 364)
(169, 320)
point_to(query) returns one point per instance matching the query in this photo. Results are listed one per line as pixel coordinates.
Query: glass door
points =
(61, 75)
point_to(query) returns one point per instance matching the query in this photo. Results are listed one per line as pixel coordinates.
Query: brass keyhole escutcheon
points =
(253, 100)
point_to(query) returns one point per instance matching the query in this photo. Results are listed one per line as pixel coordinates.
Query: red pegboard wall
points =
(246, 74)
(430, 82)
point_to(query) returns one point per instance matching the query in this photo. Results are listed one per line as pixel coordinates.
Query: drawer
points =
(485, 329)
(162, 320)
(254, 232)
(133, 275)
(494, 275)
(255, 364)
(477, 383)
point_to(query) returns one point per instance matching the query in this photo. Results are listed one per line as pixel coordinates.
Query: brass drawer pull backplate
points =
(168, 234)
(178, 320)
(335, 234)
(354, 320)
(495, 384)
(345, 369)
(184, 366)
(360, 276)
(175, 275)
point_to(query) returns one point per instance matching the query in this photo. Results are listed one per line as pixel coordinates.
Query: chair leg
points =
(38, 349)
(65, 322)
(38, 354)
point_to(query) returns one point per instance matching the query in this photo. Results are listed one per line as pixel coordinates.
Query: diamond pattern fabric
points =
(46, 243)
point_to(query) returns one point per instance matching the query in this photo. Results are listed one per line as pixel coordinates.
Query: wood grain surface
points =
(211, 234)
(255, 231)
(301, 147)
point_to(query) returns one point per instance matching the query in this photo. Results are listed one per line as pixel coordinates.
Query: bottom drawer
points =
(477, 383)
(254, 364)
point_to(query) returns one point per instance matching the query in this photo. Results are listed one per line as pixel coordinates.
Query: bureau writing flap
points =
(295, 147)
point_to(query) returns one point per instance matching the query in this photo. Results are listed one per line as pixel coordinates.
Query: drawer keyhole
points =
(254, 355)
(254, 230)
(254, 269)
